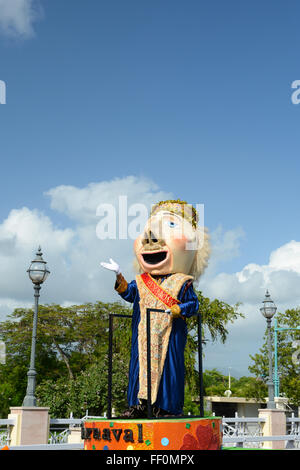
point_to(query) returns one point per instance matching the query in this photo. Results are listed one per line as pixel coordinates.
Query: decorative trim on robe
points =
(161, 327)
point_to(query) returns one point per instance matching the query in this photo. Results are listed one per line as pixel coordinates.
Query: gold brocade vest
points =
(160, 325)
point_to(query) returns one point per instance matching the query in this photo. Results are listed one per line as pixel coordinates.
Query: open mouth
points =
(154, 258)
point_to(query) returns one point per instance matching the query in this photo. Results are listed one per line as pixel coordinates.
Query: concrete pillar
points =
(274, 425)
(31, 425)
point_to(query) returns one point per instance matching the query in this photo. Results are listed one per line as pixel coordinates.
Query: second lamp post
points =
(268, 311)
(38, 273)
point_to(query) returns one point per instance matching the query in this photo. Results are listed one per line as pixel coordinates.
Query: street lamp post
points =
(268, 311)
(38, 273)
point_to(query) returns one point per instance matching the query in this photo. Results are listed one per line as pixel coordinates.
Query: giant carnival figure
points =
(170, 254)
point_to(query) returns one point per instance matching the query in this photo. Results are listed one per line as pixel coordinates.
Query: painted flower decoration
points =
(205, 439)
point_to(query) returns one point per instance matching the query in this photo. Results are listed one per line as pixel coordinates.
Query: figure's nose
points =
(149, 237)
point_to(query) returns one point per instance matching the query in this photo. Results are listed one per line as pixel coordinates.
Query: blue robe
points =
(170, 395)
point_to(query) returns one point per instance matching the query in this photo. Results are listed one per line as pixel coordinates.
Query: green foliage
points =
(251, 387)
(215, 383)
(190, 404)
(87, 391)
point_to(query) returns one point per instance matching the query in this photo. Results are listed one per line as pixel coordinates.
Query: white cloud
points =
(281, 276)
(20, 234)
(80, 204)
(286, 257)
(8, 305)
(17, 17)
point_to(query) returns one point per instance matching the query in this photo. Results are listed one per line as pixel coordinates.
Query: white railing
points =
(243, 432)
(247, 433)
(78, 446)
(293, 429)
(5, 431)
(60, 429)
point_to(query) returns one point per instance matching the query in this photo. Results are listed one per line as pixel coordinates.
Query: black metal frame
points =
(148, 332)
(110, 354)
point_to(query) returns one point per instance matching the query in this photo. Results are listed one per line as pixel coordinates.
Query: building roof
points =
(242, 399)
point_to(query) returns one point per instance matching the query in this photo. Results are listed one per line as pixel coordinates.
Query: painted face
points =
(167, 245)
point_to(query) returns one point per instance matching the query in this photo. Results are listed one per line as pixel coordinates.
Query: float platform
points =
(153, 434)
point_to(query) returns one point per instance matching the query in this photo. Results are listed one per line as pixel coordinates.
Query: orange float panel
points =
(156, 434)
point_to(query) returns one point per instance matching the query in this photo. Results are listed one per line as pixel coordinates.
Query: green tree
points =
(250, 387)
(215, 383)
(288, 369)
(87, 391)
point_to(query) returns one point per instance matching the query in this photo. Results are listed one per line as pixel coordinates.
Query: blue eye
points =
(171, 224)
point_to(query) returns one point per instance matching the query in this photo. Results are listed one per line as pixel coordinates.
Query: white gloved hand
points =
(112, 266)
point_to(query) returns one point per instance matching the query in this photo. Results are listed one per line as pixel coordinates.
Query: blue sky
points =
(193, 97)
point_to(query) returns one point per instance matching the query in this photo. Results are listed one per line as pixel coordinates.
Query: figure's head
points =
(172, 242)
